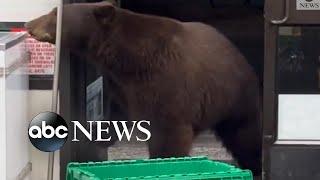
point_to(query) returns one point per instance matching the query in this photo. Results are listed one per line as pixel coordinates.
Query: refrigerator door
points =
(14, 155)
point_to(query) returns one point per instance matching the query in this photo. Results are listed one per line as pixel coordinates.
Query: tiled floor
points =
(205, 145)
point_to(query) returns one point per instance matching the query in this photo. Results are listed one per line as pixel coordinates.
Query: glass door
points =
(292, 90)
(298, 83)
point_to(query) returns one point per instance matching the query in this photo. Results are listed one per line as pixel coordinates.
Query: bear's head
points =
(79, 22)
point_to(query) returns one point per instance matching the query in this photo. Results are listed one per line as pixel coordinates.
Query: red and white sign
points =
(42, 57)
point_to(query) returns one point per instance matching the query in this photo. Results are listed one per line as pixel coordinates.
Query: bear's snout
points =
(28, 26)
(38, 33)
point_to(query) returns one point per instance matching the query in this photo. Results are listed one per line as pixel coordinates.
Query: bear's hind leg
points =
(244, 141)
(171, 141)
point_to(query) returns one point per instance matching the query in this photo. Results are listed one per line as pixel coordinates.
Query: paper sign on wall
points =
(42, 57)
(299, 117)
(95, 100)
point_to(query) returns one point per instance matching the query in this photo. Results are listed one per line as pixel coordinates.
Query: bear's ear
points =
(104, 14)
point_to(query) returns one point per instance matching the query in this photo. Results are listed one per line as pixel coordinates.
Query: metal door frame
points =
(278, 13)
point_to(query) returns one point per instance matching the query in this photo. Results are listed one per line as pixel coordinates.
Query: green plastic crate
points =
(195, 168)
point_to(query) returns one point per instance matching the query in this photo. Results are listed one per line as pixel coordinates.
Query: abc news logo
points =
(48, 131)
(308, 4)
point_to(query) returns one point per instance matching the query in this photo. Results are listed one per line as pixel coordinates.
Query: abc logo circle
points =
(48, 131)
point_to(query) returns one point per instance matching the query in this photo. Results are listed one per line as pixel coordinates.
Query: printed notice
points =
(95, 100)
(42, 57)
(308, 4)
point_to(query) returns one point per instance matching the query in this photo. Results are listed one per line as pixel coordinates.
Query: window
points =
(298, 83)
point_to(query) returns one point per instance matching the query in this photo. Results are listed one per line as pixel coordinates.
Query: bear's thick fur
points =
(183, 77)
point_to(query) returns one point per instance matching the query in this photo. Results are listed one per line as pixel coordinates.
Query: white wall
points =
(24, 10)
(40, 101)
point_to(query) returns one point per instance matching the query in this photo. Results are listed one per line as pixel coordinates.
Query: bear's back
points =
(209, 53)
(216, 66)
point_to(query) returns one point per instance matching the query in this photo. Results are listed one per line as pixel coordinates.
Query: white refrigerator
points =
(14, 155)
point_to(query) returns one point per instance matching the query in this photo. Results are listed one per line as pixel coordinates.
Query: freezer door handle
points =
(286, 17)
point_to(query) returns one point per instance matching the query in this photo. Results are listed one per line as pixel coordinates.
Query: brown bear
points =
(183, 77)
